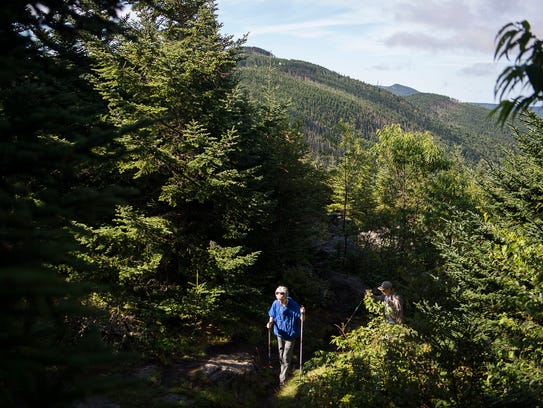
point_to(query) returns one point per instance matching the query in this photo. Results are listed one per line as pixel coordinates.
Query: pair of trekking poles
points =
(301, 345)
(342, 329)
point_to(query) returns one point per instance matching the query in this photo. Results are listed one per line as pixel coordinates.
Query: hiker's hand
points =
(302, 310)
(269, 325)
(368, 292)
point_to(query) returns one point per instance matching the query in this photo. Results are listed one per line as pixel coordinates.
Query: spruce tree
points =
(351, 182)
(218, 179)
(486, 319)
(51, 133)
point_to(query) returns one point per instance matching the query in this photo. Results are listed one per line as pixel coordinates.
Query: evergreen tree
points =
(351, 182)
(294, 186)
(406, 189)
(485, 324)
(52, 142)
(172, 86)
(219, 179)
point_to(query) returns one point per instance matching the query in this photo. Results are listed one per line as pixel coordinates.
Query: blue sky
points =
(438, 46)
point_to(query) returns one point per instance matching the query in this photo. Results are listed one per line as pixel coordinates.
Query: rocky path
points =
(225, 367)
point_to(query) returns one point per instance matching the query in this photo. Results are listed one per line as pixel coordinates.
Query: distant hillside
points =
(319, 98)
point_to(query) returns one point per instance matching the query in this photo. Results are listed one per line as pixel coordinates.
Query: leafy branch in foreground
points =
(526, 71)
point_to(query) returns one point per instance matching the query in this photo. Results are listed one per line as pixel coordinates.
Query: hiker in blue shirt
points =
(285, 316)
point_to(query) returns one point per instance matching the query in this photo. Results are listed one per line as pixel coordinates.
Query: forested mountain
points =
(319, 98)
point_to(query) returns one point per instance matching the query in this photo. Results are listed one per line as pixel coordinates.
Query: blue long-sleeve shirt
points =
(286, 319)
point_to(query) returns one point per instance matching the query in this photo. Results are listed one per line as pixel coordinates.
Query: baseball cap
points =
(385, 285)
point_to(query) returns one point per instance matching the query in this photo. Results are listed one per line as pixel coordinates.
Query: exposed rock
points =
(224, 368)
(348, 290)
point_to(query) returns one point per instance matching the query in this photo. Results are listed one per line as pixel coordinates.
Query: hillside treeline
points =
(320, 98)
(150, 203)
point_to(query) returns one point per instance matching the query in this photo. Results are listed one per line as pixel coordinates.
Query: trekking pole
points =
(355, 310)
(301, 344)
(269, 347)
